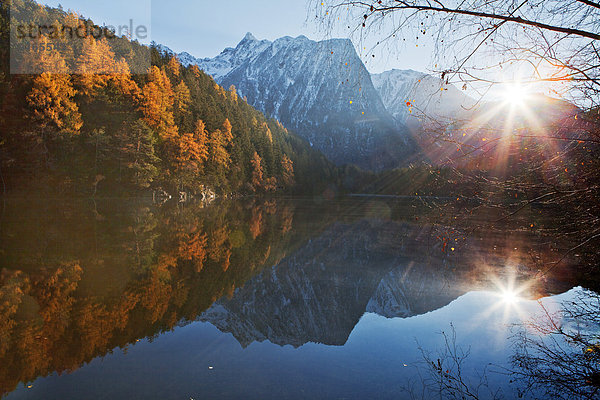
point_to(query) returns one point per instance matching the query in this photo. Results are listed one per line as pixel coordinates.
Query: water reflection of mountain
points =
(79, 279)
(319, 293)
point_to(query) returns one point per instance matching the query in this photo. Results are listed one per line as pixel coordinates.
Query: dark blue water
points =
(280, 300)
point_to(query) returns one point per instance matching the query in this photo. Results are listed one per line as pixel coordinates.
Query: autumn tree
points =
(52, 104)
(219, 143)
(227, 130)
(192, 152)
(51, 99)
(270, 184)
(257, 172)
(233, 93)
(182, 98)
(201, 140)
(157, 104)
(267, 132)
(50, 61)
(220, 90)
(174, 67)
(287, 166)
(97, 66)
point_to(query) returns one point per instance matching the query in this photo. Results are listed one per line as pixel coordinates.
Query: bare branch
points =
(506, 18)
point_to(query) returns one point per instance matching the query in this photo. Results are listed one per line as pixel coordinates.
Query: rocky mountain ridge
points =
(323, 91)
(320, 90)
(409, 95)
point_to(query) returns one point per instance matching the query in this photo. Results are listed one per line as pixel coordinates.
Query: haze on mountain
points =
(321, 90)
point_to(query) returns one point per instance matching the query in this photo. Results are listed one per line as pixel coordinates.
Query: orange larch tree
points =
(287, 166)
(157, 104)
(51, 99)
(97, 65)
(257, 172)
(219, 143)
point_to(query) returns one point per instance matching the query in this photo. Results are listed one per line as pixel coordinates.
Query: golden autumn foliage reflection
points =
(79, 280)
(120, 276)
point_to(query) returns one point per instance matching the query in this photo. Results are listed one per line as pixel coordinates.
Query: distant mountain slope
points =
(122, 132)
(403, 91)
(321, 90)
(430, 107)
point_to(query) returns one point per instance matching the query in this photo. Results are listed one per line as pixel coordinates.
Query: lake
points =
(287, 298)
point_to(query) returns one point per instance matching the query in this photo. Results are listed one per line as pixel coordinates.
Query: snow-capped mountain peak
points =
(403, 90)
(319, 89)
(250, 37)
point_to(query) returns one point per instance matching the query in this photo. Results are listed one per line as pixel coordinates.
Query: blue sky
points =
(204, 28)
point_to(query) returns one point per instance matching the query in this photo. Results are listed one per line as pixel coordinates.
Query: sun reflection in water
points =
(510, 297)
(508, 290)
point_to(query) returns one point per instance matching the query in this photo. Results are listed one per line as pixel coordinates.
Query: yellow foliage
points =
(268, 133)
(288, 171)
(157, 103)
(52, 104)
(257, 172)
(219, 142)
(182, 97)
(174, 67)
(97, 65)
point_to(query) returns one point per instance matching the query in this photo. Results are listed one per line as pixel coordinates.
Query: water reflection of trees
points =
(556, 355)
(79, 279)
(105, 279)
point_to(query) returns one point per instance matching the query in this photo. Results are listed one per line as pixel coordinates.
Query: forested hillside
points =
(91, 126)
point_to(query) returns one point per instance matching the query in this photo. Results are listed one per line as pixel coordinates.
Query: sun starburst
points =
(515, 94)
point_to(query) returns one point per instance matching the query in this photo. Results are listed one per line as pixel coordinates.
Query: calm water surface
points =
(256, 299)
